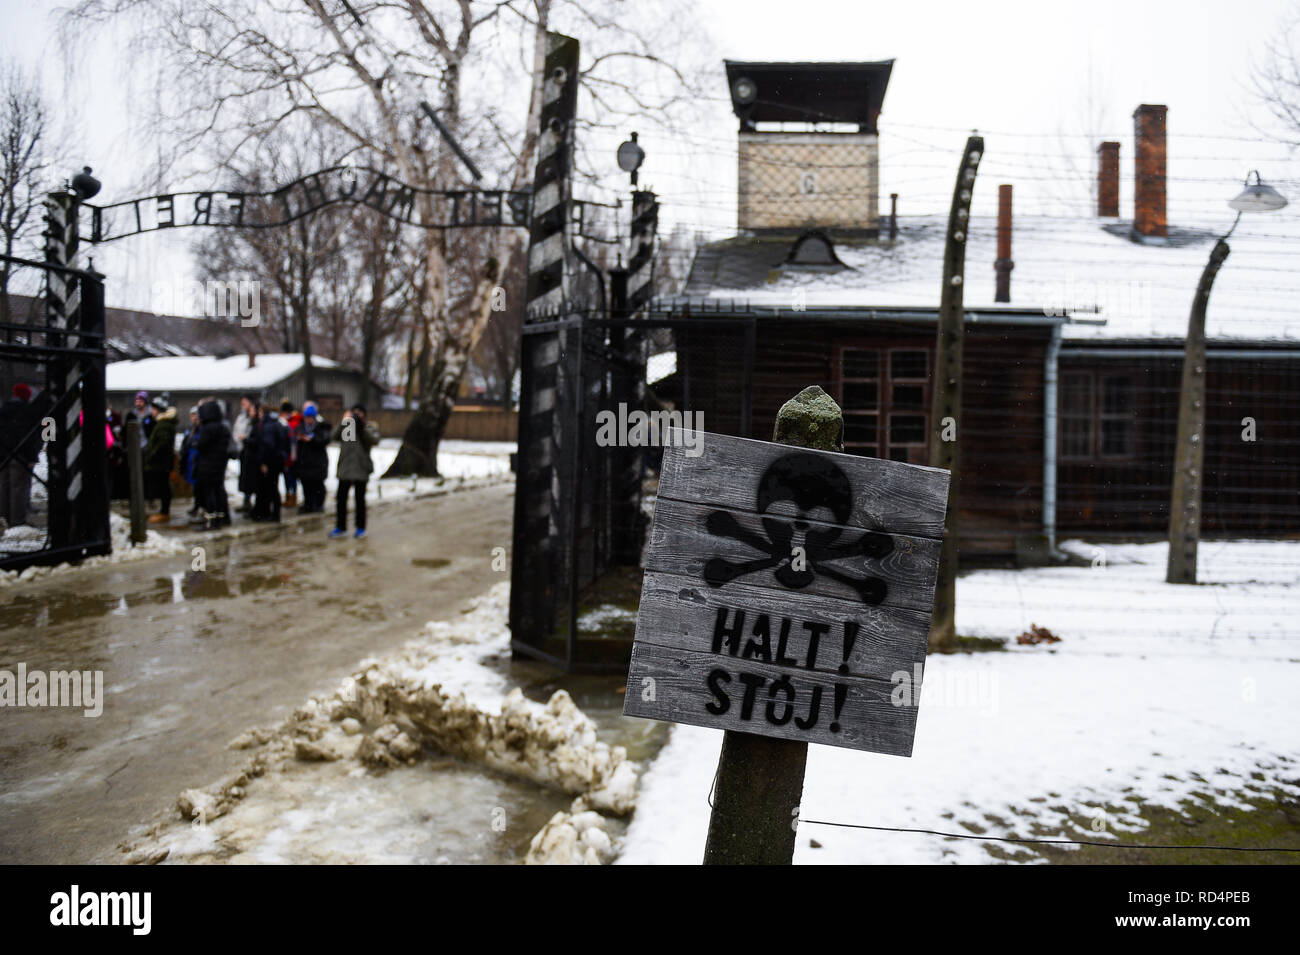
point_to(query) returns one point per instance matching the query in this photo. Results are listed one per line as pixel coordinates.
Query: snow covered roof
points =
(206, 373)
(1086, 267)
(658, 367)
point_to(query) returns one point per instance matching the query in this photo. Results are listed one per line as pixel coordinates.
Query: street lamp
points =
(630, 157)
(1189, 452)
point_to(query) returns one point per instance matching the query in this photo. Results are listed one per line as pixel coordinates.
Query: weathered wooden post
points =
(135, 468)
(760, 779)
(1189, 448)
(786, 601)
(945, 405)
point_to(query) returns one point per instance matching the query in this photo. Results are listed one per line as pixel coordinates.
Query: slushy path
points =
(192, 659)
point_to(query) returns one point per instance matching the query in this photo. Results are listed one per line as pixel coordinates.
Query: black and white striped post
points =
(63, 375)
(548, 392)
(645, 223)
(633, 289)
(548, 234)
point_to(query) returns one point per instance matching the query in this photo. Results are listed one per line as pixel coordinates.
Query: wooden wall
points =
(1001, 501)
(1250, 487)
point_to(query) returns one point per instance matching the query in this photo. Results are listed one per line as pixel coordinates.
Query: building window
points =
(884, 393)
(1116, 417)
(1076, 415)
(860, 400)
(1096, 415)
(909, 373)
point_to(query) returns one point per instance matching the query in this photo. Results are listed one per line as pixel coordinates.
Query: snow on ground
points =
(362, 775)
(457, 461)
(154, 545)
(1156, 691)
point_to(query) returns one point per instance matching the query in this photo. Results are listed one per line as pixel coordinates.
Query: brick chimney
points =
(1108, 179)
(1149, 172)
(1003, 265)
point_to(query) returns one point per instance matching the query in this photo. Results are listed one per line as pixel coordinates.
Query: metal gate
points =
(52, 448)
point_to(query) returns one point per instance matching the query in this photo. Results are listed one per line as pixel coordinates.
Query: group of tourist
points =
(271, 445)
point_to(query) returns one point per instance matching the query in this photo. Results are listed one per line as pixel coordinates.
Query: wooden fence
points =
(468, 423)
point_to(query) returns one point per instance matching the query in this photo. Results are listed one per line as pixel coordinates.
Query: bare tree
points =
(287, 262)
(235, 70)
(498, 353)
(1277, 78)
(24, 135)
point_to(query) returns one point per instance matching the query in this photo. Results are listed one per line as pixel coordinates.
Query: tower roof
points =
(810, 92)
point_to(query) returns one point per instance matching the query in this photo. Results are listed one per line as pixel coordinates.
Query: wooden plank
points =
(888, 495)
(704, 689)
(740, 623)
(680, 543)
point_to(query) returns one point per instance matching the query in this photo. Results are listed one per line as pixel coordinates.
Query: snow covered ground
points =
(457, 461)
(154, 545)
(1156, 691)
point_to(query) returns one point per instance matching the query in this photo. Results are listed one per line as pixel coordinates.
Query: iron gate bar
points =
(77, 509)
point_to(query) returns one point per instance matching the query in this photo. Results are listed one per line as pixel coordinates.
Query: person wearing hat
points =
(142, 411)
(160, 458)
(312, 463)
(20, 446)
(212, 442)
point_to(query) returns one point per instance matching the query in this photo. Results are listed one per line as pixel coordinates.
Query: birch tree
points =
(230, 72)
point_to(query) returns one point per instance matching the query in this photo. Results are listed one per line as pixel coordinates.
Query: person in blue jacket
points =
(313, 463)
(189, 457)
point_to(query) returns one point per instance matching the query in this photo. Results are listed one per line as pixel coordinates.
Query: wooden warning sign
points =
(787, 593)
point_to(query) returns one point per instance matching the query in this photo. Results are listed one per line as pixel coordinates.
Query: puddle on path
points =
(430, 562)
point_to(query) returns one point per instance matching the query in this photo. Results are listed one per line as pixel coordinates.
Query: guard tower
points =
(809, 147)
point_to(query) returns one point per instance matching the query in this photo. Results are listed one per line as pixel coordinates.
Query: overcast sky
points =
(1023, 73)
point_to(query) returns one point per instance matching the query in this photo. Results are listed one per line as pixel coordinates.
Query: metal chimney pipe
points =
(1003, 264)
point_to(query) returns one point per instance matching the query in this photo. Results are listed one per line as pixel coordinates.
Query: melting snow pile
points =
(435, 694)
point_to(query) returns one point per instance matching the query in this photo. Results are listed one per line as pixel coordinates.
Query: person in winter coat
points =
(189, 455)
(213, 446)
(160, 458)
(313, 463)
(244, 423)
(273, 453)
(292, 421)
(119, 482)
(20, 446)
(248, 453)
(356, 437)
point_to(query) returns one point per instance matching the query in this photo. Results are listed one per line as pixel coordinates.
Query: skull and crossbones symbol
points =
(811, 483)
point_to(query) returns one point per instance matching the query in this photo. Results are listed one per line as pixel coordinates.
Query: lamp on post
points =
(1189, 452)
